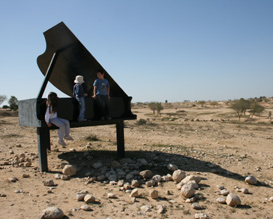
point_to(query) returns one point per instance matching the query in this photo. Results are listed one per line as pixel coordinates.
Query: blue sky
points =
(155, 50)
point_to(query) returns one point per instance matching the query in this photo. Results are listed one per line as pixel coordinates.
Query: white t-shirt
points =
(48, 115)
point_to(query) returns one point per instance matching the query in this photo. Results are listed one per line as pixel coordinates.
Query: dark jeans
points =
(102, 101)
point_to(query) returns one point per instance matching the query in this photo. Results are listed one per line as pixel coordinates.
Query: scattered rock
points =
(220, 187)
(187, 191)
(80, 196)
(178, 175)
(200, 216)
(135, 183)
(12, 179)
(134, 193)
(161, 209)
(221, 200)
(233, 200)
(89, 198)
(172, 167)
(111, 195)
(251, 180)
(48, 182)
(244, 190)
(196, 206)
(86, 208)
(224, 192)
(197, 179)
(154, 194)
(157, 178)
(52, 213)
(145, 208)
(146, 174)
(150, 183)
(69, 170)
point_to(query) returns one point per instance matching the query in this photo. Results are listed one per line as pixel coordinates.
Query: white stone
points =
(135, 183)
(86, 208)
(145, 208)
(80, 196)
(244, 190)
(233, 200)
(52, 213)
(178, 175)
(187, 191)
(172, 167)
(200, 216)
(161, 209)
(224, 192)
(89, 198)
(157, 178)
(221, 200)
(69, 170)
(120, 183)
(251, 180)
(146, 174)
(111, 195)
(134, 193)
(197, 179)
(150, 183)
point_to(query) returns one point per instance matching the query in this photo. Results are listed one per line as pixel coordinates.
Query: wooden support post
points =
(43, 137)
(120, 139)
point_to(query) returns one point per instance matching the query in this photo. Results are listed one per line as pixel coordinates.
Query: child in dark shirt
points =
(101, 93)
(79, 94)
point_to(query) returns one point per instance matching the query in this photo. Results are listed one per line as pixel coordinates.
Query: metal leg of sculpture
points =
(43, 138)
(120, 139)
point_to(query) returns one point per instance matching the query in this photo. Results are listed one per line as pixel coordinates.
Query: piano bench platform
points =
(43, 136)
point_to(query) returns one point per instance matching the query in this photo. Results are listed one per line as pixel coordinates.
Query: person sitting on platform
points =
(78, 93)
(101, 93)
(52, 118)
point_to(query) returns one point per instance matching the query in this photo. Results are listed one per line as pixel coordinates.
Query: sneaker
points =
(68, 138)
(81, 120)
(61, 142)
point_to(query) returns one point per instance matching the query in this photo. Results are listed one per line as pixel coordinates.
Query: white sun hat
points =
(79, 79)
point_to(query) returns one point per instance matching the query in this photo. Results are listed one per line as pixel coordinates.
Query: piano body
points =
(64, 58)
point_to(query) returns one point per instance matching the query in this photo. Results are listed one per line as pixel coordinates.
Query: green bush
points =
(141, 122)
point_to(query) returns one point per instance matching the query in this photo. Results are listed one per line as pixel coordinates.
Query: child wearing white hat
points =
(78, 93)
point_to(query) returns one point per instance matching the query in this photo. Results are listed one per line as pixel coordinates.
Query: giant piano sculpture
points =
(64, 58)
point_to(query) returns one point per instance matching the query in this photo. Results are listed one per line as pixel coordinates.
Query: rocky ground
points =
(189, 162)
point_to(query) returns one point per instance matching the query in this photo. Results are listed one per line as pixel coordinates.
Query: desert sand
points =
(207, 142)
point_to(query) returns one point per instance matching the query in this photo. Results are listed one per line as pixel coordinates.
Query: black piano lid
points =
(73, 59)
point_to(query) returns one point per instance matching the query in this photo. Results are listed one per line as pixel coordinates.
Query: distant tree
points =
(201, 102)
(13, 103)
(152, 106)
(256, 108)
(214, 103)
(159, 107)
(244, 104)
(237, 107)
(2, 98)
